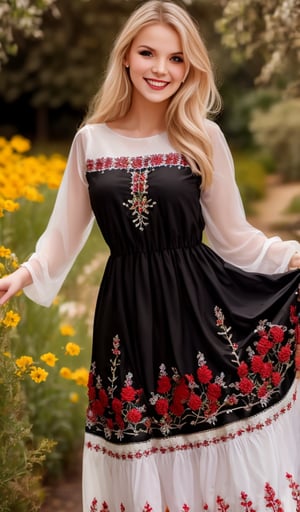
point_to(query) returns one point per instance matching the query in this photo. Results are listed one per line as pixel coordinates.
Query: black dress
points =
(192, 395)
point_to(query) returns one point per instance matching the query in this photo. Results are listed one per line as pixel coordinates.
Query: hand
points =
(12, 284)
(294, 262)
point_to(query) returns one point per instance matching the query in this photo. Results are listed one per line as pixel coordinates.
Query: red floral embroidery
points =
(295, 490)
(123, 409)
(137, 162)
(246, 503)
(139, 204)
(139, 167)
(271, 501)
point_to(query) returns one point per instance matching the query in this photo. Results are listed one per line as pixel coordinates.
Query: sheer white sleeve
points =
(67, 231)
(228, 232)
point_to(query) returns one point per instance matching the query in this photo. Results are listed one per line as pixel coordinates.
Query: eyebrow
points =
(153, 49)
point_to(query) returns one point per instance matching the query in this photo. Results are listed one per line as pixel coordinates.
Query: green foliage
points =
(52, 412)
(294, 206)
(24, 17)
(278, 131)
(268, 29)
(66, 66)
(55, 408)
(250, 176)
(21, 458)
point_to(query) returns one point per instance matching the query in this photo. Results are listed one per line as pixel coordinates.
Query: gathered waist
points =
(154, 250)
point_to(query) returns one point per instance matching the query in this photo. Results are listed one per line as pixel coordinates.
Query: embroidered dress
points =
(192, 398)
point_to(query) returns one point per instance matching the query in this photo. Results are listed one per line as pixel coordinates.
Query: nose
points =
(159, 66)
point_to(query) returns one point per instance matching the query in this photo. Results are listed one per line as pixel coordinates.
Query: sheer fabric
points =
(229, 233)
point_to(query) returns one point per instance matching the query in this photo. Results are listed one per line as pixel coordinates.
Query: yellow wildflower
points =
(49, 358)
(56, 300)
(72, 349)
(20, 144)
(65, 372)
(81, 376)
(11, 319)
(38, 374)
(3, 142)
(67, 330)
(24, 362)
(7, 354)
(33, 195)
(74, 398)
(10, 206)
(5, 252)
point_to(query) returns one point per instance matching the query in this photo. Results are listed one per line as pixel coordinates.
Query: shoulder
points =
(91, 130)
(213, 129)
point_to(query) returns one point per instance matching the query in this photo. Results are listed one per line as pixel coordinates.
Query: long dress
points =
(192, 396)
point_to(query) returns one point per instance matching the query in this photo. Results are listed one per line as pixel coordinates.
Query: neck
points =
(145, 118)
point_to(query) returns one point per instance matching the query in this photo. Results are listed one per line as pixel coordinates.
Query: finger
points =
(7, 294)
(5, 297)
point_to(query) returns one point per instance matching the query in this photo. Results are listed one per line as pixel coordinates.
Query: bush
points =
(278, 131)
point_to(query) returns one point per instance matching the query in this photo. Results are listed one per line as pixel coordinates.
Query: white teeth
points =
(156, 84)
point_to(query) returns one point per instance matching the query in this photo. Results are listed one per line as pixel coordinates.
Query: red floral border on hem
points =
(247, 505)
(97, 447)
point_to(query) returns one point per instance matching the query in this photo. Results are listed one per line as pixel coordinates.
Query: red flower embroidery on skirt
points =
(247, 505)
(123, 409)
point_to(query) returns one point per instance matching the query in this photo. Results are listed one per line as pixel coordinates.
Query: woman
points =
(192, 395)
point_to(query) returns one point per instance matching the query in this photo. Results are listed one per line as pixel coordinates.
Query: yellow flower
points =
(56, 300)
(72, 349)
(11, 319)
(10, 206)
(67, 330)
(81, 376)
(74, 398)
(20, 144)
(4, 252)
(24, 362)
(49, 358)
(65, 373)
(38, 374)
(7, 354)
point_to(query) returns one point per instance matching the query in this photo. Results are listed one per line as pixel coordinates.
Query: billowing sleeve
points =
(67, 231)
(228, 232)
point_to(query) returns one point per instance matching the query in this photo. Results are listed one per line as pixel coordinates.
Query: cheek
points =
(179, 74)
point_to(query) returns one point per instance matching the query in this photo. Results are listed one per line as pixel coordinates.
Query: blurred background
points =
(53, 55)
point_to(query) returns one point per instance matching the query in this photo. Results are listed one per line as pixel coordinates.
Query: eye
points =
(145, 53)
(177, 58)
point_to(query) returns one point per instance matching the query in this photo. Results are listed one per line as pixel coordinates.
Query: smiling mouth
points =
(156, 84)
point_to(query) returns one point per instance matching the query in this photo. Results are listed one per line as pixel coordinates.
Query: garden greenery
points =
(42, 364)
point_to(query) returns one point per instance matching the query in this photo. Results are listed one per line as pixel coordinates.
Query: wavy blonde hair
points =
(192, 103)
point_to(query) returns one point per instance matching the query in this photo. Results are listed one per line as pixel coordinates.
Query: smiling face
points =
(156, 63)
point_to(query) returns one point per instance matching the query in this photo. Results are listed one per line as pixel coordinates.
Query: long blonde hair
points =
(193, 102)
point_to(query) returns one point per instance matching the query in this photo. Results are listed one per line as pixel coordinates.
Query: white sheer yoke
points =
(228, 231)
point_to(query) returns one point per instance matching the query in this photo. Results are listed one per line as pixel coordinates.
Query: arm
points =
(228, 231)
(67, 231)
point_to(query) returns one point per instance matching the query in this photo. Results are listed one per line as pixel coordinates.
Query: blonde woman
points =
(192, 397)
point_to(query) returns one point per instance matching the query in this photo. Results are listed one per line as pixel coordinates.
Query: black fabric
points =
(163, 361)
